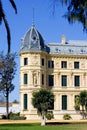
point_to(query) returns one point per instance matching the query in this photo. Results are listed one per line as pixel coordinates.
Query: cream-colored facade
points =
(60, 67)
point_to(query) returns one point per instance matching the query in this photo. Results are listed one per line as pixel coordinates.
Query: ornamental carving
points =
(70, 65)
(34, 76)
(83, 65)
(34, 60)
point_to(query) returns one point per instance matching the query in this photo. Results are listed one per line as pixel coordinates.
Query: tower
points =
(32, 69)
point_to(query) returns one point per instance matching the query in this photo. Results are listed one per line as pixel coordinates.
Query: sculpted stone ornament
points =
(34, 76)
(34, 60)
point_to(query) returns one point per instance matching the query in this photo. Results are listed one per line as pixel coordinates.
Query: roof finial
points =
(33, 17)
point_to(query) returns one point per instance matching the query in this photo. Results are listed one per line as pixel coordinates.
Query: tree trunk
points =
(7, 104)
(43, 120)
(83, 114)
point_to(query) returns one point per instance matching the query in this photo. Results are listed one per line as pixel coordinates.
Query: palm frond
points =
(13, 5)
(3, 17)
(1, 10)
(8, 33)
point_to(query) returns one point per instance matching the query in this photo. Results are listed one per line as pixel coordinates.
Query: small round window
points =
(34, 38)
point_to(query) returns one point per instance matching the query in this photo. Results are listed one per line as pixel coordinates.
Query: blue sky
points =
(51, 27)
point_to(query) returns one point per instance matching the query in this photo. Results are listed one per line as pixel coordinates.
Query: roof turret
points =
(32, 40)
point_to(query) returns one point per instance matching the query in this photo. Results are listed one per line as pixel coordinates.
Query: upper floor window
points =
(77, 81)
(42, 61)
(51, 80)
(25, 61)
(25, 78)
(76, 65)
(42, 79)
(50, 64)
(64, 80)
(63, 64)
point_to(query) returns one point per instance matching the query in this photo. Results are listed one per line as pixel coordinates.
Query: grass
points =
(38, 127)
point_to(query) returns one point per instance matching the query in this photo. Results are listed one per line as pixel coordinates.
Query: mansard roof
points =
(74, 47)
(32, 40)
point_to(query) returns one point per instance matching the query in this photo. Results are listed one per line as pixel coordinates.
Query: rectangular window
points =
(64, 102)
(42, 79)
(76, 65)
(51, 80)
(64, 80)
(63, 64)
(25, 61)
(25, 78)
(76, 81)
(50, 64)
(42, 62)
(25, 101)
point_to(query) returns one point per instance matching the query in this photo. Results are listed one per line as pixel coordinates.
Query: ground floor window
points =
(25, 101)
(64, 102)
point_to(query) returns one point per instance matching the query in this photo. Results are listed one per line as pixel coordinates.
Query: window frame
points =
(64, 80)
(25, 79)
(42, 79)
(63, 64)
(25, 61)
(77, 81)
(42, 62)
(50, 80)
(76, 65)
(50, 64)
(25, 102)
(64, 102)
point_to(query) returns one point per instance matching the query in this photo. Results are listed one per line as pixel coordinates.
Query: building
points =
(13, 107)
(61, 67)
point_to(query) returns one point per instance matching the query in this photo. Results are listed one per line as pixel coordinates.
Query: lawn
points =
(38, 127)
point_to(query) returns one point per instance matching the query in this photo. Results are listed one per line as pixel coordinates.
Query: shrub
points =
(4, 117)
(77, 107)
(16, 116)
(67, 117)
(49, 115)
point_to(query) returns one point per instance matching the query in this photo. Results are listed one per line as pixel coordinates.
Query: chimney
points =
(63, 39)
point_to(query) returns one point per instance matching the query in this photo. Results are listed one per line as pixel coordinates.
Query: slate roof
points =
(71, 47)
(33, 40)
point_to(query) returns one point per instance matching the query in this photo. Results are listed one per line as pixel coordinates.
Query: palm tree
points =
(3, 18)
(83, 101)
(76, 11)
